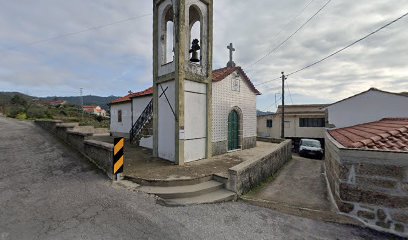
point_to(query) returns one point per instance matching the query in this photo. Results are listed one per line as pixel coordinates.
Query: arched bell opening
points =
(195, 34)
(167, 36)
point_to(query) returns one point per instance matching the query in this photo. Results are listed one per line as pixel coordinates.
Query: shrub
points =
(37, 112)
(21, 116)
(14, 111)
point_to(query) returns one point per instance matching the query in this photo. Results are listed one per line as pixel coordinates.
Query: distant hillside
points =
(88, 100)
(6, 96)
(261, 113)
(404, 93)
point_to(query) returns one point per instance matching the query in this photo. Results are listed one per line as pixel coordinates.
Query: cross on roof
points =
(231, 49)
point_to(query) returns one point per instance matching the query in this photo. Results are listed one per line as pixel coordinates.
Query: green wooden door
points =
(233, 131)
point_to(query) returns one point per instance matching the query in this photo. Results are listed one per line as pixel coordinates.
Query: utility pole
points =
(283, 106)
(82, 104)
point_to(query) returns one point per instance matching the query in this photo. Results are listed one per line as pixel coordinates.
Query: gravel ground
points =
(49, 192)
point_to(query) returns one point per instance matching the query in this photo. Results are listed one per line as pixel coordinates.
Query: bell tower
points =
(182, 68)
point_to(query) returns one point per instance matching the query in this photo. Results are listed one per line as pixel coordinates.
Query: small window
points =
(311, 122)
(119, 115)
(269, 123)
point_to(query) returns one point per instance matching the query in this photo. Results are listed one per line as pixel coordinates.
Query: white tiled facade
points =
(225, 99)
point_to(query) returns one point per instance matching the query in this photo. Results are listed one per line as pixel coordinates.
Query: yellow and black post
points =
(118, 158)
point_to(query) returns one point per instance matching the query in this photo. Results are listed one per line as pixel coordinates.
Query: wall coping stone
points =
(268, 139)
(101, 134)
(85, 134)
(48, 120)
(104, 145)
(249, 163)
(67, 125)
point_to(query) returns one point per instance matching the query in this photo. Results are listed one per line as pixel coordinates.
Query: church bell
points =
(194, 57)
(195, 46)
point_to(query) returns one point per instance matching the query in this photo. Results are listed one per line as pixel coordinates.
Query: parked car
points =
(310, 148)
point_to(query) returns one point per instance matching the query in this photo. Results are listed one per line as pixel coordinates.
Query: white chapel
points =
(192, 112)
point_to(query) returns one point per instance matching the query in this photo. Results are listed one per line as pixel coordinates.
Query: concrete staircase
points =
(196, 192)
(146, 132)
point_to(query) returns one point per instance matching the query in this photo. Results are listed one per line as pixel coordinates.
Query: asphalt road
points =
(49, 192)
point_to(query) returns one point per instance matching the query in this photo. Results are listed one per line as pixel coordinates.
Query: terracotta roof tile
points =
(217, 75)
(129, 97)
(390, 134)
(222, 73)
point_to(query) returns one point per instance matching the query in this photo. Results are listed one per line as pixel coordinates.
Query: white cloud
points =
(117, 58)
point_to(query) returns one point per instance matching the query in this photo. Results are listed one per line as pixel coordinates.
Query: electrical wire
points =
(290, 94)
(340, 50)
(293, 34)
(68, 34)
(351, 44)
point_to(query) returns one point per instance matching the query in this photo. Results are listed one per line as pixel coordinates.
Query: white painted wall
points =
(367, 107)
(166, 138)
(139, 105)
(224, 99)
(121, 129)
(292, 128)
(146, 142)
(195, 120)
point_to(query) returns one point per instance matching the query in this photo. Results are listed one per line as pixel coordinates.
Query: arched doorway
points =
(233, 130)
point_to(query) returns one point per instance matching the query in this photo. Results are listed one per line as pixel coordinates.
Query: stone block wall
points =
(221, 147)
(100, 153)
(76, 139)
(61, 129)
(49, 125)
(249, 174)
(248, 142)
(369, 185)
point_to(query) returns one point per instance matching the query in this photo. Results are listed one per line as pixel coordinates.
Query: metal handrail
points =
(141, 121)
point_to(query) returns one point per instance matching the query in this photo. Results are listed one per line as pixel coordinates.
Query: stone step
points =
(220, 195)
(168, 183)
(183, 191)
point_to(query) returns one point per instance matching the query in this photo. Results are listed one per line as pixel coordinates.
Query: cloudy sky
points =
(114, 59)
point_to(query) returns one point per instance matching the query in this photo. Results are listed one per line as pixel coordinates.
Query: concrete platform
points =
(142, 166)
(299, 189)
(301, 183)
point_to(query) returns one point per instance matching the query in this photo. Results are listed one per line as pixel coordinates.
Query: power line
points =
(262, 83)
(293, 34)
(290, 94)
(351, 44)
(273, 104)
(64, 35)
(340, 50)
(287, 24)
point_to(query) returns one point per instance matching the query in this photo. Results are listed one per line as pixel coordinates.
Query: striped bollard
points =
(118, 158)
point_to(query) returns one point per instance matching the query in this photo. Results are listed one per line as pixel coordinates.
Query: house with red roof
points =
(368, 106)
(57, 103)
(95, 110)
(232, 91)
(366, 169)
(125, 111)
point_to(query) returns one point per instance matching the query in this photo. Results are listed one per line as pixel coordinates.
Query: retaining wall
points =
(49, 125)
(249, 174)
(369, 185)
(100, 153)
